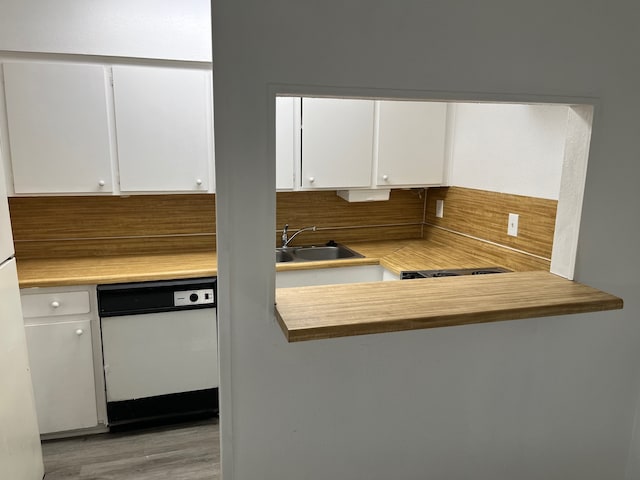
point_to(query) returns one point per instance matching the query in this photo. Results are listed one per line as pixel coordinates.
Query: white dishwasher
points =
(159, 342)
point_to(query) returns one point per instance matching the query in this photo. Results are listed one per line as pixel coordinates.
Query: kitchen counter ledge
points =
(328, 311)
(66, 271)
(438, 250)
(55, 272)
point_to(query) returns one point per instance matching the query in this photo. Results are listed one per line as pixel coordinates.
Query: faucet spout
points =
(286, 239)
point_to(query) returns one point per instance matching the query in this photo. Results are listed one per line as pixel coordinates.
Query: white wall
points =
(515, 149)
(178, 30)
(551, 398)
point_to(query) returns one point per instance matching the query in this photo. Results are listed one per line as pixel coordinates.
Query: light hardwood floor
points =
(186, 451)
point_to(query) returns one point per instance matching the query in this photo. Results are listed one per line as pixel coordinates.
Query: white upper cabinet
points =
(164, 129)
(411, 143)
(345, 141)
(287, 141)
(58, 126)
(337, 143)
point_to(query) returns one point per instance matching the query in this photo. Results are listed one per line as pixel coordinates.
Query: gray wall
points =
(551, 398)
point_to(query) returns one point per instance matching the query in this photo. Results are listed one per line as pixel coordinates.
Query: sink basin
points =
(324, 253)
(282, 256)
(315, 253)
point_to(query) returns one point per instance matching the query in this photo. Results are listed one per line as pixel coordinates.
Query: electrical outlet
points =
(512, 228)
(439, 208)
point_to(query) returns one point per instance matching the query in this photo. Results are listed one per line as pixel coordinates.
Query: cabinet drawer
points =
(55, 304)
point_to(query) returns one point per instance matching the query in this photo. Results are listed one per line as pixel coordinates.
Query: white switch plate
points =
(439, 208)
(512, 228)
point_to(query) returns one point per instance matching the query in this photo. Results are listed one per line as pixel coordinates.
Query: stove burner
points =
(413, 274)
(410, 275)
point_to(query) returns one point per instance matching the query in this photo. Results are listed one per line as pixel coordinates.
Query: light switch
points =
(512, 228)
(439, 208)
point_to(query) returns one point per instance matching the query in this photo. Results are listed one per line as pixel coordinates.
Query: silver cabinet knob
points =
(199, 181)
(55, 304)
(385, 177)
(101, 183)
(312, 179)
(79, 331)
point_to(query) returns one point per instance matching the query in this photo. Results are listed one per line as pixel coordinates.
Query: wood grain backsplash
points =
(110, 225)
(400, 217)
(484, 215)
(485, 253)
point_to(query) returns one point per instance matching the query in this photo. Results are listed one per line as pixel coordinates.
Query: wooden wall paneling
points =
(400, 217)
(46, 227)
(484, 215)
(355, 234)
(114, 246)
(41, 218)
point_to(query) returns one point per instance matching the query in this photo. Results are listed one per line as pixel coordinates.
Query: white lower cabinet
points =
(61, 361)
(328, 276)
(61, 329)
(388, 275)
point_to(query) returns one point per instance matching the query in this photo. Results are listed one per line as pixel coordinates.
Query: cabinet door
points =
(286, 154)
(164, 128)
(337, 142)
(411, 139)
(58, 128)
(61, 361)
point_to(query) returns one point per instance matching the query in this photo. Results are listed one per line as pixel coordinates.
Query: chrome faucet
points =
(286, 239)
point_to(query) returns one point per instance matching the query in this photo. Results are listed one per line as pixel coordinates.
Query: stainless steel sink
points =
(283, 256)
(324, 253)
(315, 253)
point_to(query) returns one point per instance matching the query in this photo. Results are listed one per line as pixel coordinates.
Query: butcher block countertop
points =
(311, 313)
(55, 272)
(66, 271)
(440, 250)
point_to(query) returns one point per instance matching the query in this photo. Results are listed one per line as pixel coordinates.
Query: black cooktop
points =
(411, 274)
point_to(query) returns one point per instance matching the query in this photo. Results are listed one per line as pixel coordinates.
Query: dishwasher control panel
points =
(193, 297)
(136, 298)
